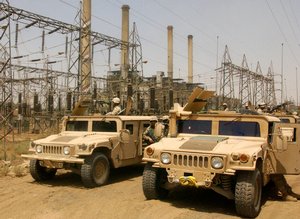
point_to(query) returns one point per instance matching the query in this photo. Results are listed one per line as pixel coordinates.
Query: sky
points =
(256, 28)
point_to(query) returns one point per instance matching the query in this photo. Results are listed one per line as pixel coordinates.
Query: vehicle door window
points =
(130, 128)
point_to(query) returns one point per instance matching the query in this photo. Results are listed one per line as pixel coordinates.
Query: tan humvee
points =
(90, 146)
(230, 153)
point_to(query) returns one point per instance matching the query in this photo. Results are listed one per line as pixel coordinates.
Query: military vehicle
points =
(230, 153)
(90, 146)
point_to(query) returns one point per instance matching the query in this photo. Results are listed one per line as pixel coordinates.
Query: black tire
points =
(248, 191)
(95, 170)
(40, 173)
(153, 180)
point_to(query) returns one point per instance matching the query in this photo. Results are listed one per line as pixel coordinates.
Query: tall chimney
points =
(85, 47)
(190, 58)
(125, 38)
(170, 54)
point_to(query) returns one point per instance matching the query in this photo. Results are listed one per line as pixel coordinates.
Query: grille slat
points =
(52, 149)
(186, 160)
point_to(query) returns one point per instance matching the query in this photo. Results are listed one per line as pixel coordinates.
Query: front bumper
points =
(54, 158)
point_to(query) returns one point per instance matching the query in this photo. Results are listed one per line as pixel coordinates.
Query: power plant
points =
(35, 96)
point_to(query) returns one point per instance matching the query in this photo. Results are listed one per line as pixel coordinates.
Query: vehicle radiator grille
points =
(52, 149)
(191, 160)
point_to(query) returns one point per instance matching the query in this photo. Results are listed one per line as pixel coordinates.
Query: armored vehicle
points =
(230, 153)
(90, 146)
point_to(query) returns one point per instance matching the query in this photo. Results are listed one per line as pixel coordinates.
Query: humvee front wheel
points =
(95, 170)
(40, 173)
(248, 192)
(153, 181)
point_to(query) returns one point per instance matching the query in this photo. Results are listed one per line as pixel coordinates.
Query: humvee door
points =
(285, 144)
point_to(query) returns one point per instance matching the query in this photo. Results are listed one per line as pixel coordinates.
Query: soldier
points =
(165, 122)
(225, 107)
(154, 132)
(261, 108)
(116, 104)
(283, 187)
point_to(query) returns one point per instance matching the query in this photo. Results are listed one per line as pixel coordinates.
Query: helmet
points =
(261, 104)
(224, 104)
(153, 118)
(295, 113)
(165, 118)
(116, 100)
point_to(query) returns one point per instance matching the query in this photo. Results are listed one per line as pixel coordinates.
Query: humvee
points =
(230, 153)
(90, 146)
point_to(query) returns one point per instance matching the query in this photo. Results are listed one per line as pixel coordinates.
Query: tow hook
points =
(188, 181)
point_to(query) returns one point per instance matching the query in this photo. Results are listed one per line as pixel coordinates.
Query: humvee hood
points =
(215, 144)
(71, 138)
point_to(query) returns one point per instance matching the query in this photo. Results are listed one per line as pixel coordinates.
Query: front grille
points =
(47, 149)
(191, 161)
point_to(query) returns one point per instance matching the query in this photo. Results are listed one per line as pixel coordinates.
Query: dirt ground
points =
(65, 197)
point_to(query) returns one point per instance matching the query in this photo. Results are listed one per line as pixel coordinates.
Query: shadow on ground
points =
(68, 178)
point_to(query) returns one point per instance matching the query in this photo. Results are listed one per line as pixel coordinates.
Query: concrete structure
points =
(190, 59)
(170, 53)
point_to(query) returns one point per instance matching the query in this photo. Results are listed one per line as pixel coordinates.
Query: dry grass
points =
(14, 164)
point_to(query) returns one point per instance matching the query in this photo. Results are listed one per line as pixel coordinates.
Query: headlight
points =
(66, 150)
(165, 158)
(217, 162)
(39, 149)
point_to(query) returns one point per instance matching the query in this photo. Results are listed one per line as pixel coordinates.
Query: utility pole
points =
(281, 73)
(297, 87)
(217, 62)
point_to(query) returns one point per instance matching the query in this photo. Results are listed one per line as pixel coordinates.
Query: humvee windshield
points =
(77, 126)
(104, 126)
(238, 128)
(194, 126)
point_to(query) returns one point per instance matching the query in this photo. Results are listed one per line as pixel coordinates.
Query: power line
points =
(288, 19)
(292, 9)
(281, 31)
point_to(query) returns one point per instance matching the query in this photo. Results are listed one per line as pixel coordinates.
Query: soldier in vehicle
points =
(154, 132)
(225, 107)
(165, 122)
(116, 104)
(261, 108)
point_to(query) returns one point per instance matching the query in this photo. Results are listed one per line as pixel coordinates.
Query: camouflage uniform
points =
(155, 134)
(116, 111)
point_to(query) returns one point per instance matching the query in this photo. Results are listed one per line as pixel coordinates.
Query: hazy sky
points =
(256, 28)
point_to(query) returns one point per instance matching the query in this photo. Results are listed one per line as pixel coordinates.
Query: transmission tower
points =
(226, 79)
(244, 82)
(6, 76)
(258, 86)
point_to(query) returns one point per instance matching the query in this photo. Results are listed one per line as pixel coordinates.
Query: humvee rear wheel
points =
(153, 182)
(248, 192)
(95, 170)
(40, 173)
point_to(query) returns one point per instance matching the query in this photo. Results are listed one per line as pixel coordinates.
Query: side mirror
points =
(124, 136)
(285, 135)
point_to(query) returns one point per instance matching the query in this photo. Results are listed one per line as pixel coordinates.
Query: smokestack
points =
(125, 38)
(190, 58)
(170, 53)
(85, 47)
